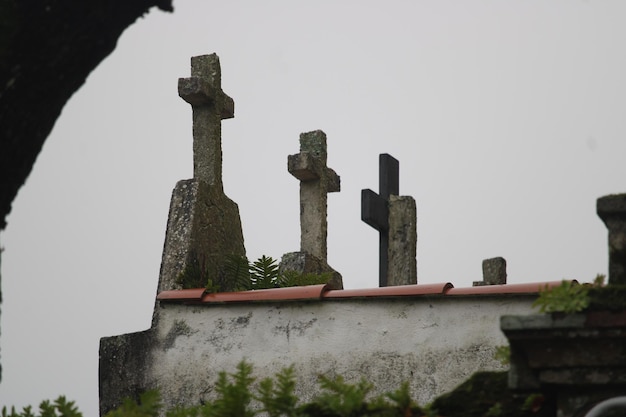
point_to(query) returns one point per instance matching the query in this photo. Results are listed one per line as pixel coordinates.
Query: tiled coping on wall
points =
(322, 292)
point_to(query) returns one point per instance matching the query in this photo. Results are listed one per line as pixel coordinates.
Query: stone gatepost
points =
(316, 181)
(612, 210)
(395, 218)
(494, 272)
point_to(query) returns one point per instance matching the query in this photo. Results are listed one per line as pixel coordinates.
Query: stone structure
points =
(395, 218)
(434, 341)
(316, 181)
(203, 228)
(612, 211)
(494, 272)
(204, 224)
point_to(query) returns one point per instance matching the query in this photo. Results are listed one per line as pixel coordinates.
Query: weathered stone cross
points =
(395, 219)
(316, 180)
(375, 208)
(203, 90)
(203, 226)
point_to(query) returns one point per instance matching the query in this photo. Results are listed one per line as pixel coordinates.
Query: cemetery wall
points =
(433, 341)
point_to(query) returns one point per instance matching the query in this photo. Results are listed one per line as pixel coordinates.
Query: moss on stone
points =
(610, 297)
(487, 394)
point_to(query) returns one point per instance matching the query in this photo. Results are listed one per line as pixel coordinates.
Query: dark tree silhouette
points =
(47, 50)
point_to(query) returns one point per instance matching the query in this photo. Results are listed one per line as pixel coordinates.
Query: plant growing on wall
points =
(58, 408)
(241, 275)
(569, 297)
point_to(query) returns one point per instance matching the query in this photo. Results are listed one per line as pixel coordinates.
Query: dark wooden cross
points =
(375, 208)
(316, 181)
(210, 105)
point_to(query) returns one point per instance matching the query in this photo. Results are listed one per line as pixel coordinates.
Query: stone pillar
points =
(395, 218)
(402, 267)
(612, 210)
(494, 272)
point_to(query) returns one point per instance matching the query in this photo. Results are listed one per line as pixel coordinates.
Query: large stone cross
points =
(375, 208)
(316, 180)
(395, 219)
(203, 226)
(203, 90)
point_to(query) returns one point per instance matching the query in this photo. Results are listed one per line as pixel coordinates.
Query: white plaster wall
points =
(433, 342)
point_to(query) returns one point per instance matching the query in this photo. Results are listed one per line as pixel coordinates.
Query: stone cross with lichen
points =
(316, 180)
(203, 90)
(203, 227)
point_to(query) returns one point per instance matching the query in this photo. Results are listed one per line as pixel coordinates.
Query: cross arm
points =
(374, 210)
(198, 92)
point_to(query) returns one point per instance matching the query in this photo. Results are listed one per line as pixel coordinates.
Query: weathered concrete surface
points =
(123, 368)
(612, 211)
(435, 343)
(402, 250)
(202, 222)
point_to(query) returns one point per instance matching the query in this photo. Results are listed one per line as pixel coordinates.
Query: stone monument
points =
(203, 226)
(395, 218)
(316, 181)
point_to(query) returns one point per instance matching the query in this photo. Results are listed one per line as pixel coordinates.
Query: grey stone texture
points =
(395, 219)
(579, 358)
(306, 263)
(210, 105)
(202, 222)
(494, 272)
(612, 210)
(402, 267)
(316, 181)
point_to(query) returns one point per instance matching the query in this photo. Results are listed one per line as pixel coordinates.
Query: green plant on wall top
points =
(58, 408)
(241, 275)
(569, 297)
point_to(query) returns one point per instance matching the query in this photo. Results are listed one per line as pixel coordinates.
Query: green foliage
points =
(59, 408)
(340, 399)
(264, 273)
(241, 275)
(503, 354)
(484, 394)
(195, 274)
(278, 397)
(234, 397)
(149, 406)
(296, 279)
(569, 297)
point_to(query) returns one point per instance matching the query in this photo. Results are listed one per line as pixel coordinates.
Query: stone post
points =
(612, 210)
(395, 218)
(401, 252)
(494, 272)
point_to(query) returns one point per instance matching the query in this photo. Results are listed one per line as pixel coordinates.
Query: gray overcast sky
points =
(508, 119)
